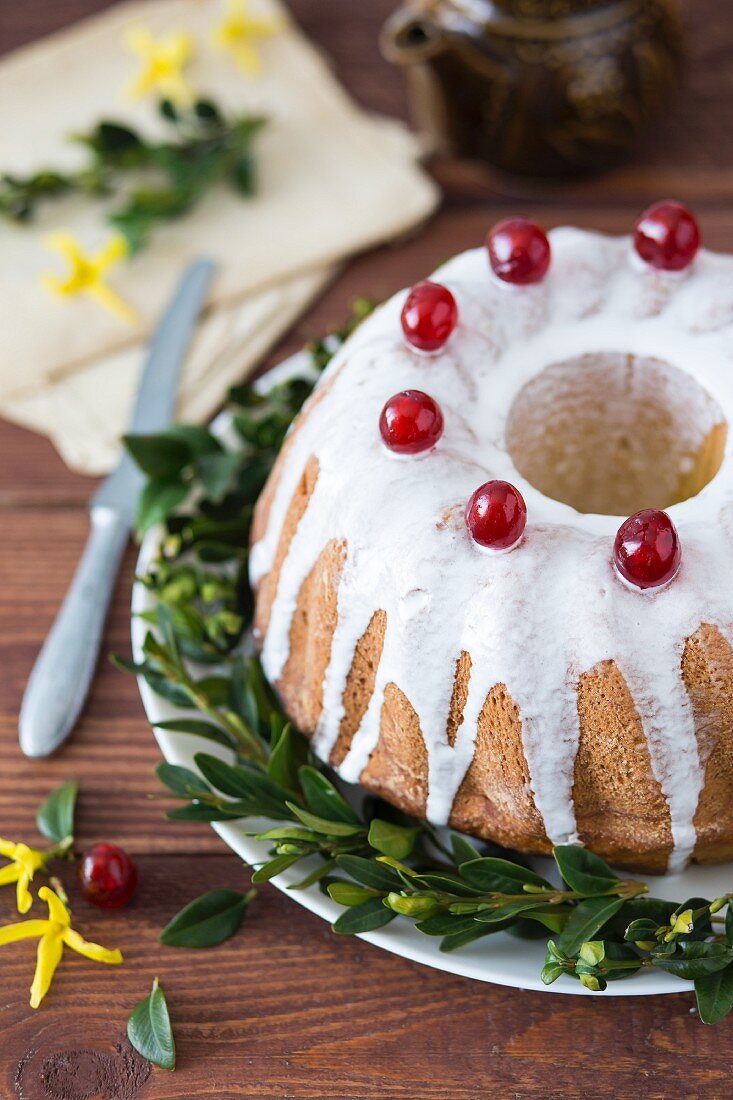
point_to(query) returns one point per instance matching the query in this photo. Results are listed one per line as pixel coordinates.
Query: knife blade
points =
(60, 679)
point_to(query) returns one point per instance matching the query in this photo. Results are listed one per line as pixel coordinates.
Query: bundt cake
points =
(447, 599)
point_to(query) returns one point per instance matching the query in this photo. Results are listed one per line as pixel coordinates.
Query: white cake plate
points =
(500, 958)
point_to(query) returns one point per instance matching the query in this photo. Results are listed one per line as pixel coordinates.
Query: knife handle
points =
(62, 673)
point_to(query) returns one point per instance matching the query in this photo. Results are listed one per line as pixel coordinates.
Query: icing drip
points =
(538, 617)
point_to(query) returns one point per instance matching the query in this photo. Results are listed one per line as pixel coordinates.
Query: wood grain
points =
(287, 1009)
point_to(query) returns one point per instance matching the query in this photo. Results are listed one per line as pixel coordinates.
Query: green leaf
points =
(551, 971)
(363, 918)
(702, 924)
(620, 952)
(446, 924)
(583, 871)
(55, 818)
(217, 471)
(161, 457)
(552, 917)
(585, 920)
(695, 959)
(488, 874)
(392, 840)
(323, 799)
(158, 682)
(592, 952)
(197, 439)
(328, 828)
(457, 940)
(417, 906)
(215, 688)
(286, 756)
(714, 994)
(442, 880)
(181, 781)
(243, 175)
(149, 1030)
(349, 894)
(275, 867)
(508, 911)
(208, 920)
(245, 782)
(315, 876)
(369, 873)
(729, 924)
(463, 850)
(198, 728)
(641, 930)
(157, 501)
(227, 778)
(289, 832)
(651, 909)
(201, 812)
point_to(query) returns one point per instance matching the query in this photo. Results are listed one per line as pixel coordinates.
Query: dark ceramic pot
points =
(537, 87)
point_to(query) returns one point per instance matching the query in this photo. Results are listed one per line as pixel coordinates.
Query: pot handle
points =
(410, 36)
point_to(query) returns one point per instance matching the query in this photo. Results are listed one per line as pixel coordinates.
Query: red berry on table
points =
(429, 316)
(496, 515)
(519, 251)
(411, 422)
(108, 876)
(667, 236)
(647, 549)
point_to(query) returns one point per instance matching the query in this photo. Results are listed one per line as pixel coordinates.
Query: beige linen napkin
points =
(331, 181)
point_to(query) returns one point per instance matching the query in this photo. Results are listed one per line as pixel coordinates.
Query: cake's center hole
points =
(612, 433)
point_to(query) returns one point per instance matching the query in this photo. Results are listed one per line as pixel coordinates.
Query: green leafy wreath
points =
(379, 864)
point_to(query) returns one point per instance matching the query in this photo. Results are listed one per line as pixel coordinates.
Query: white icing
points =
(534, 619)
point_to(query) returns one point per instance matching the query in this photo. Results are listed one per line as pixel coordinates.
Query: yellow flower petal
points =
(23, 894)
(91, 950)
(53, 934)
(116, 249)
(57, 911)
(163, 61)
(237, 31)
(25, 862)
(9, 874)
(50, 950)
(65, 244)
(23, 930)
(86, 273)
(113, 302)
(247, 58)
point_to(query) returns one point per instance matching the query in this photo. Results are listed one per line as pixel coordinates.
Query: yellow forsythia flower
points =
(238, 30)
(24, 863)
(162, 63)
(87, 273)
(53, 934)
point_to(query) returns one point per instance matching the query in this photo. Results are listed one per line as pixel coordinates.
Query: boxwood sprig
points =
(160, 180)
(377, 863)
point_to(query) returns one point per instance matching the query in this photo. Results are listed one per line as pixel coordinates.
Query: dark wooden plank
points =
(286, 1009)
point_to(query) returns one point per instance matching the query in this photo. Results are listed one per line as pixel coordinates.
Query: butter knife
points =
(59, 682)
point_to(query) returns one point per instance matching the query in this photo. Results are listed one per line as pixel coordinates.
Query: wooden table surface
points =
(286, 1009)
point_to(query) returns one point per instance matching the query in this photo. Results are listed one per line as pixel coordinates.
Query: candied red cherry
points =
(496, 515)
(647, 549)
(429, 316)
(108, 876)
(411, 422)
(519, 251)
(667, 236)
